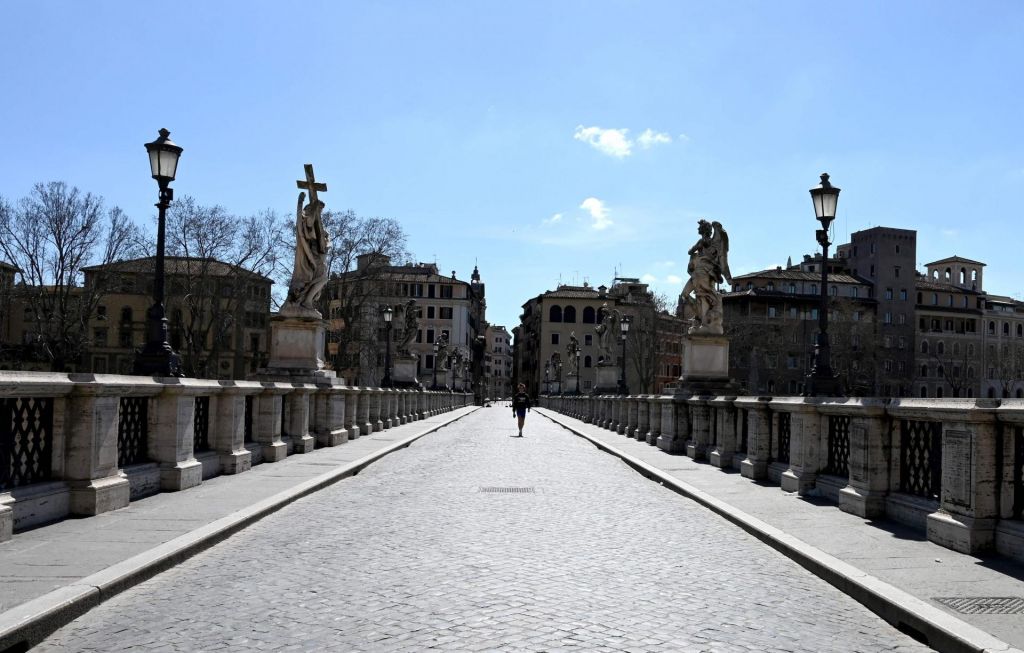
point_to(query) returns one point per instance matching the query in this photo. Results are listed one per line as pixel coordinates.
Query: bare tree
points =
(952, 365)
(1009, 368)
(642, 343)
(52, 235)
(222, 257)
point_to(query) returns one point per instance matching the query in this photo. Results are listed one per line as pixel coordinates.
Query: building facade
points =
(498, 362)
(449, 309)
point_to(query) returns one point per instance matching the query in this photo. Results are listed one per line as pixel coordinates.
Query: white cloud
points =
(950, 233)
(650, 138)
(553, 219)
(648, 278)
(684, 138)
(674, 279)
(598, 212)
(613, 142)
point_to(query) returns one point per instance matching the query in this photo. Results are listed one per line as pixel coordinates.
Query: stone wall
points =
(83, 444)
(951, 467)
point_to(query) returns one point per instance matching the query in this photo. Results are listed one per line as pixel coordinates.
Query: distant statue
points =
(606, 332)
(709, 266)
(441, 359)
(410, 328)
(309, 276)
(573, 349)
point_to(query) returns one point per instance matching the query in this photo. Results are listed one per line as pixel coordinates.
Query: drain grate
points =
(506, 490)
(984, 604)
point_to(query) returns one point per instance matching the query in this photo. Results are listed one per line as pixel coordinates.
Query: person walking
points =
(520, 406)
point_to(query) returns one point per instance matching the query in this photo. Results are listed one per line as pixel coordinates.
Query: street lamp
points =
(547, 380)
(387, 312)
(578, 370)
(436, 349)
(822, 381)
(560, 377)
(624, 326)
(157, 358)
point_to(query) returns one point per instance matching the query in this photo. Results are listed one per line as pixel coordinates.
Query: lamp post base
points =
(157, 361)
(821, 385)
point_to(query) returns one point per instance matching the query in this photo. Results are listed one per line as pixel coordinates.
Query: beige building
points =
(449, 309)
(498, 362)
(217, 313)
(7, 273)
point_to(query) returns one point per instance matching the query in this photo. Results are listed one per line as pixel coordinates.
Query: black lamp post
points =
(547, 379)
(822, 381)
(436, 349)
(578, 370)
(560, 392)
(157, 358)
(624, 326)
(387, 312)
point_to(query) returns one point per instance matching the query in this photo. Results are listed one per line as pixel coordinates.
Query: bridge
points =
(246, 515)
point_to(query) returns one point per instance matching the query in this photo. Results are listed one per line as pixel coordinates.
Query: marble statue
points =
(607, 332)
(441, 359)
(410, 327)
(709, 266)
(309, 276)
(573, 350)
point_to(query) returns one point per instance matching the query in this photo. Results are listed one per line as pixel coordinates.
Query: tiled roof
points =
(175, 265)
(955, 259)
(925, 284)
(798, 275)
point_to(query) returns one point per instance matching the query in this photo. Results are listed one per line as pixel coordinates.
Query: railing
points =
(26, 441)
(81, 444)
(954, 467)
(132, 431)
(921, 458)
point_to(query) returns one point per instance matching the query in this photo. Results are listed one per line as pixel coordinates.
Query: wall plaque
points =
(956, 461)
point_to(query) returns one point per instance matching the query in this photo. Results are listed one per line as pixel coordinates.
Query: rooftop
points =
(175, 265)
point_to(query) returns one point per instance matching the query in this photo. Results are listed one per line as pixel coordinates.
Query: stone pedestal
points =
(607, 380)
(296, 343)
(403, 374)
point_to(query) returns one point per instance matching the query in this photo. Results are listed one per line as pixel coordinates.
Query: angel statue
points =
(606, 332)
(709, 266)
(573, 350)
(442, 356)
(410, 327)
(309, 275)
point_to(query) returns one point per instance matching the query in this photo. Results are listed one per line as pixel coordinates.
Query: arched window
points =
(126, 314)
(940, 371)
(963, 276)
(569, 314)
(970, 349)
(949, 275)
(555, 314)
(924, 346)
(991, 328)
(920, 300)
(588, 315)
(924, 371)
(938, 392)
(924, 392)
(970, 372)
(1006, 328)
(1020, 331)
(587, 361)
(940, 348)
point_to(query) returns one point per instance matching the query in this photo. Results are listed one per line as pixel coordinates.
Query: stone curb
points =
(26, 625)
(906, 612)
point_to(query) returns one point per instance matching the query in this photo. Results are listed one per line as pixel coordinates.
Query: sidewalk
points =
(885, 565)
(51, 574)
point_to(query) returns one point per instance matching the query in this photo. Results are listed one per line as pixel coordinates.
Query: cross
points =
(311, 184)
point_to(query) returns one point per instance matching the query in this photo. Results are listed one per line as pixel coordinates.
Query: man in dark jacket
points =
(520, 406)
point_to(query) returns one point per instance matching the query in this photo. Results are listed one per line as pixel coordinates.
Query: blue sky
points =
(546, 140)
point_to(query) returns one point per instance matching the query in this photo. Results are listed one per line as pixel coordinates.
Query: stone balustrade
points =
(83, 444)
(953, 468)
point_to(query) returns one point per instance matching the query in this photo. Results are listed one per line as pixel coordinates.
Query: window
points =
(888, 365)
(430, 335)
(99, 337)
(887, 342)
(101, 312)
(924, 371)
(431, 291)
(902, 366)
(833, 291)
(446, 312)
(940, 348)
(888, 293)
(569, 314)
(814, 289)
(428, 361)
(924, 346)
(554, 338)
(792, 289)
(793, 312)
(896, 271)
(588, 340)
(935, 299)
(901, 318)
(992, 328)
(589, 317)
(555, 314)
(588, 361)
(446, 291)
(854, 291)
(1006, 328)
(903, 294)
(856, 316)
(126, 314)
(126, 338)
(902, 342)
(430, 313)
(445, 335)
(419, 335)
(772, 311)
(770, 287)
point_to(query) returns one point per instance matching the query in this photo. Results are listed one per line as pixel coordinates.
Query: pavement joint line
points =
(902, 610)
(29, 623)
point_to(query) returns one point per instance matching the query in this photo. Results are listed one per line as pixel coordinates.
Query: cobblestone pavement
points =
(410, 555)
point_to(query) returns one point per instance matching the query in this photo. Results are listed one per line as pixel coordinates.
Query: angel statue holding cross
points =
(309, 276)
